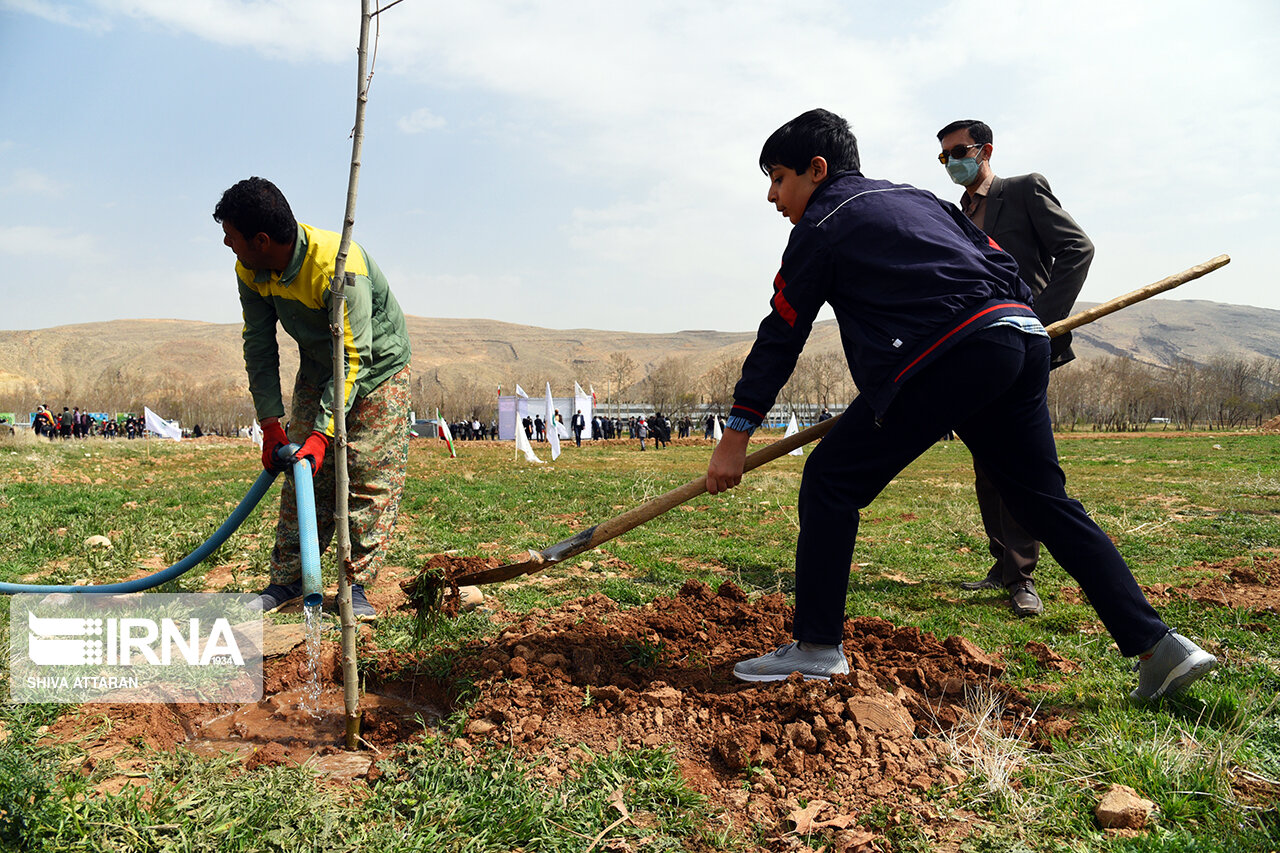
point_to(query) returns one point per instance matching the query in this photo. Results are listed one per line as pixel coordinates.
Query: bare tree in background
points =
(621, 370)
(1232, 384)
(718, 383)
(670, 386)
(1188, 392)
(830, 376)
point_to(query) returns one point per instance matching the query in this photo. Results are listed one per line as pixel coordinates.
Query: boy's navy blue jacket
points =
(908, 275)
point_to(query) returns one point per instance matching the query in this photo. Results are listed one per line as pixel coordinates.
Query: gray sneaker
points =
(776, 666)
(361, 609)
(1171, 665)
(276, 596)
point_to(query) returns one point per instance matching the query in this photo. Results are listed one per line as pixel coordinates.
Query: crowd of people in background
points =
(657, 427)
(473, 430)
(606, 428)
(74, 423)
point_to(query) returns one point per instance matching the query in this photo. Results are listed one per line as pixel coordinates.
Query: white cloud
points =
(294, 30)
(39, 242)
(420, 121)
(32, 183)
(58, 13)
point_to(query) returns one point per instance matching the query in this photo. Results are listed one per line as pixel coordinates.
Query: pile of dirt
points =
(1250, 582)
(660, 676)
(589, 674)
(1272, 425)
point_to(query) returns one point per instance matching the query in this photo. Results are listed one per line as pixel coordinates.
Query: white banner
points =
(549, 424)
(523, 446)
(582, 403)
(161, 427)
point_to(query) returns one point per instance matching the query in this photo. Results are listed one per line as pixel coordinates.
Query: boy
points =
(939, 335)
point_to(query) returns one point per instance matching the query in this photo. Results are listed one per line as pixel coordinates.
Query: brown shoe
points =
(1023, 600)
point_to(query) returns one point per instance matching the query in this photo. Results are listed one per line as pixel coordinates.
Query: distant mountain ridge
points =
(489, 353)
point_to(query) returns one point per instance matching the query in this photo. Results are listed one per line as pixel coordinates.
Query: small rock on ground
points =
(1122, 808)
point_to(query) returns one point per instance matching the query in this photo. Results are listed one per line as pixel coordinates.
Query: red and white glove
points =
(313, 450)
(273, 437)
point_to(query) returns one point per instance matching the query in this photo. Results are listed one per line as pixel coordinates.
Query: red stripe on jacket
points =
(760, 415)
(780, 303)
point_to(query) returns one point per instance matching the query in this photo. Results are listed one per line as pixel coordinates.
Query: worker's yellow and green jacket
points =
(376, 340)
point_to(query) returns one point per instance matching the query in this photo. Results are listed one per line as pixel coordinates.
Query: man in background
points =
(1053, 255)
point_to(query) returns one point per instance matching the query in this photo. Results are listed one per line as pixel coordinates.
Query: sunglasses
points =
(959, 152)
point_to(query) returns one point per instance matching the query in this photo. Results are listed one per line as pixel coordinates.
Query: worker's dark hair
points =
(817, 133)
(978, 131)
(255, 206)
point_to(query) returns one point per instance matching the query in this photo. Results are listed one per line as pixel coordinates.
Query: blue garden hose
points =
(306, 498)
(312, 591)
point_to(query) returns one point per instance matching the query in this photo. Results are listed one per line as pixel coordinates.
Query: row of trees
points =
(1113, 393)
(1120, 394)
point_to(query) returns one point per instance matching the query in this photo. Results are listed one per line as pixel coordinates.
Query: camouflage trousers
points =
(377, 453)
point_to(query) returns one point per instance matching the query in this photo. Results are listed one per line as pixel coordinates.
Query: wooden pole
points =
(592, 537)
(337, 322)
(1113, 305)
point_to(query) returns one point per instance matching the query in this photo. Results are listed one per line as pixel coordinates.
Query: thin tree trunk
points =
(337, 317)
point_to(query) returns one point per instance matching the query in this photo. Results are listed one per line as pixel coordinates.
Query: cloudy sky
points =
(593, 164)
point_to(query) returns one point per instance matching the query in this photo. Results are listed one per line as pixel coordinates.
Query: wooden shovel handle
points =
(1113, 305)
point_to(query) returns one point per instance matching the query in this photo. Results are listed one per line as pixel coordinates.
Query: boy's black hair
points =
(978, 131)
(817, 133)
(255, 205)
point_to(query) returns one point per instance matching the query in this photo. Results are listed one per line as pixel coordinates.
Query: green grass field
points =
(1175, 504)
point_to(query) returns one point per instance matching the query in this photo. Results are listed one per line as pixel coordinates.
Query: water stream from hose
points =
(311, 690)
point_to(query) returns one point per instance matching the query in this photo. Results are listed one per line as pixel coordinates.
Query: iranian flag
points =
(443, 429)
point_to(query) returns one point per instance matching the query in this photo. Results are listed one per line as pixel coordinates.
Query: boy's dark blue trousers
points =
(991, 389)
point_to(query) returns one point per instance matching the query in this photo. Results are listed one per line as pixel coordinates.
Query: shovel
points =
(592, 537)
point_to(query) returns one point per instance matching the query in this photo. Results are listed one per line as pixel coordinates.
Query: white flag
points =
(523, 446)
(255, 433)
(158, 425)
(792, 429)
(520, 392)
(549, 422)
(716, 432)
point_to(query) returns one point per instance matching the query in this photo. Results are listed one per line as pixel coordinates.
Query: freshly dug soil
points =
(589, 674)
(1251, 582)
(660, 676)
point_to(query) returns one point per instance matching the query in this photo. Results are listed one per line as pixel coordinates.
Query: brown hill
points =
(112, 358)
